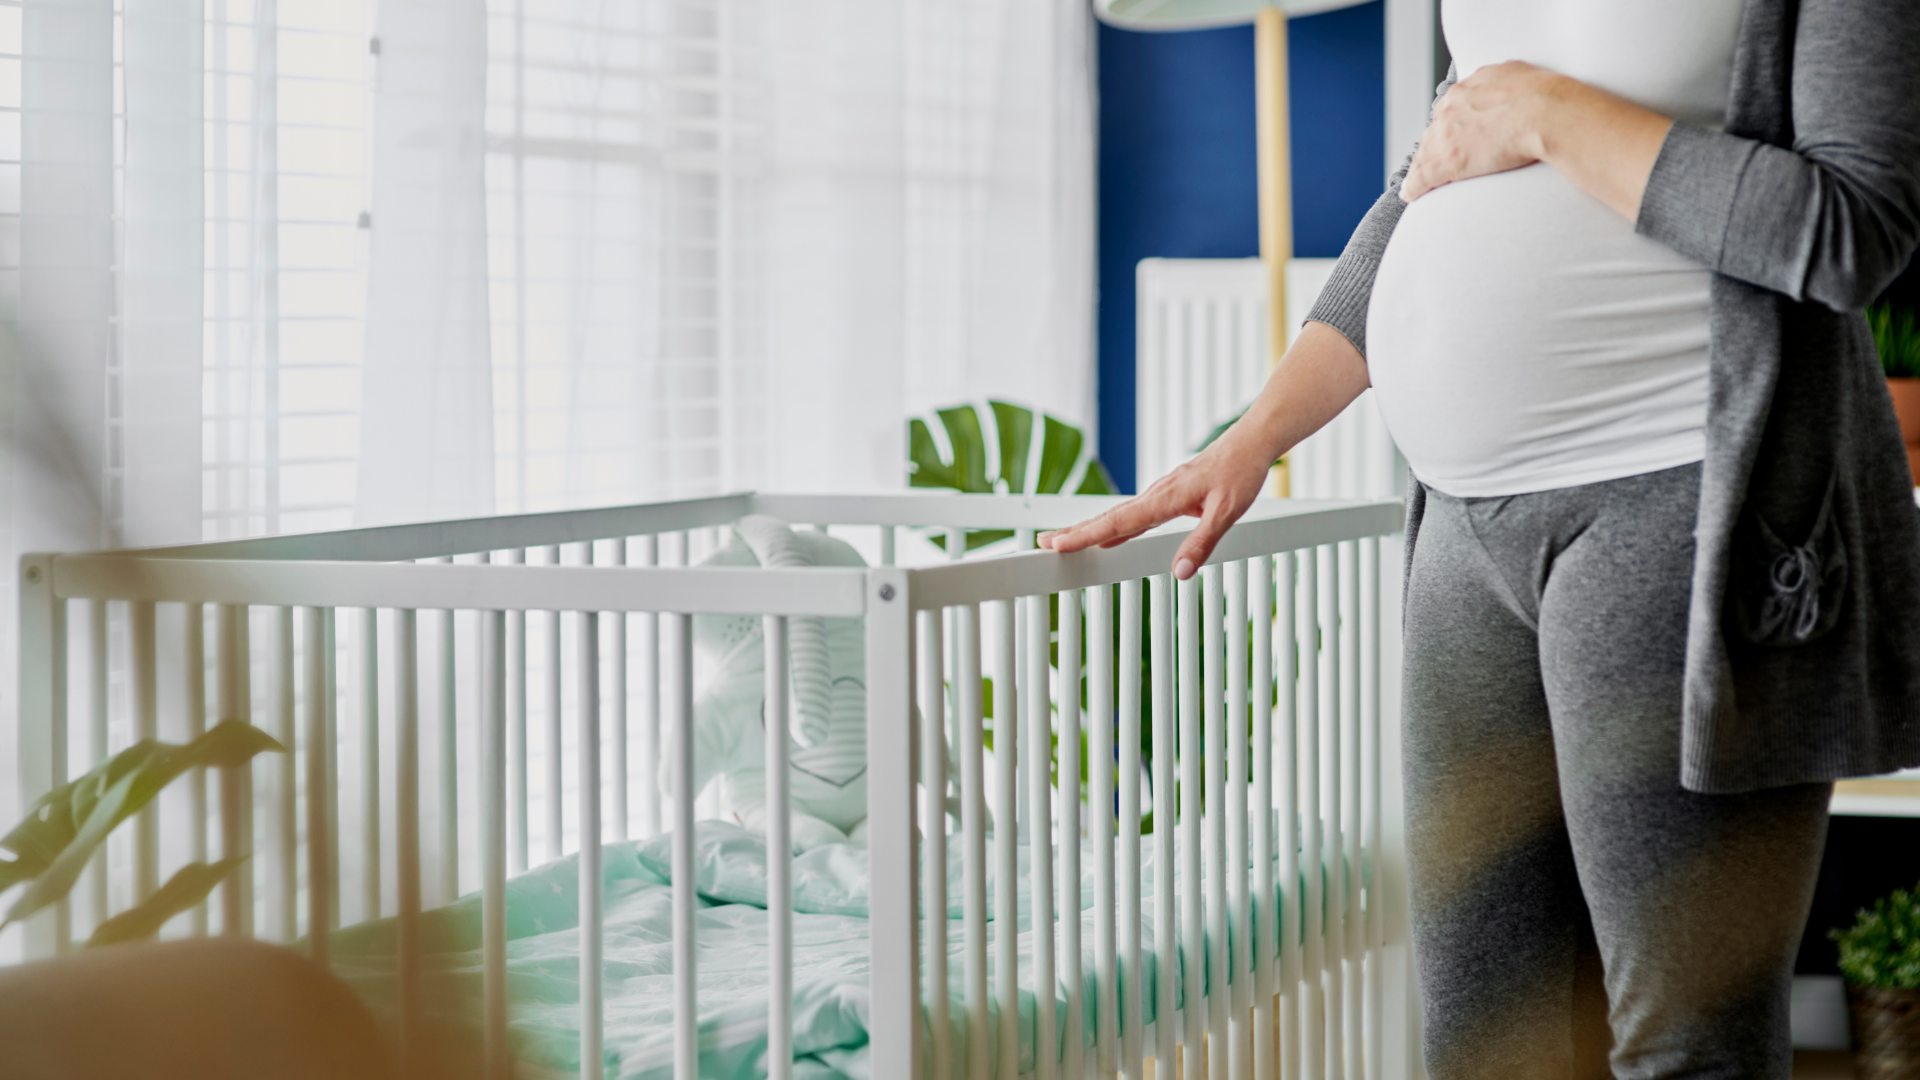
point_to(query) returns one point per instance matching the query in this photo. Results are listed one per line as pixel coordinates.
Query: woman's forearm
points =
(1507, 116)
(1604, 144)
(1319, 375)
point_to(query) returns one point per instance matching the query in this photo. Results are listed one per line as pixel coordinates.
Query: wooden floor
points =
(1822, 1065)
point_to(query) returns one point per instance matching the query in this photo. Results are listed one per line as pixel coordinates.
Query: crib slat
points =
(1039, 729)
(97, 741)
(497, 1061)
(59, 737)
(1191, 887)
(1213, 721)
(587, 785)
(1286, 743)
(779, 855)
(518, 824)
(194, 687)
(1100, 765)
(1370, 751)
(286, 862)
(1006, 852)
(1261, 938)
(617, 704)
(330, 680)
(146, 717)
(648, 631)
(973, 832)
(931, 689)
(1132, 996)
(1073, 1057)
(1313, 868)
(554, 766)
(1166, 935)
(686, 1030)
(236, 784)
(887, 535)
(319, 858)
(1239, 943)
(369, 763)
(406, 812)
(1333, 843)
(449, 747)
(1354, 945)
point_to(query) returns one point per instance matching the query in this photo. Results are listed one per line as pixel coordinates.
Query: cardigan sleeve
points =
(1834, 217)
(1343, 300)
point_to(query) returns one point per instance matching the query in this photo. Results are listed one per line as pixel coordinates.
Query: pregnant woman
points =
(1663, 570)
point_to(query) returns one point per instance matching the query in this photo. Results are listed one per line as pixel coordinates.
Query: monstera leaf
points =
(1047, 458)
(181, 892)
(63, 830)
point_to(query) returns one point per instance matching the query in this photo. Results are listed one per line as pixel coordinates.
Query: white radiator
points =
(1201, 356)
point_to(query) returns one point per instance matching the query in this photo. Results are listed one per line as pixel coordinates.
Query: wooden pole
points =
(1276, 181)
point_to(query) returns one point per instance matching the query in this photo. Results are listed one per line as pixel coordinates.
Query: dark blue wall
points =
(1177, 167)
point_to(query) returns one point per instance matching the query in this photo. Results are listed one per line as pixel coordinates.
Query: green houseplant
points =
(1880, 960)
(1027, 451)
(1897, 336)
(46, 852)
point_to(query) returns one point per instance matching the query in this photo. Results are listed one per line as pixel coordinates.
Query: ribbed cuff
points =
(1688, 204)
(1348, 292)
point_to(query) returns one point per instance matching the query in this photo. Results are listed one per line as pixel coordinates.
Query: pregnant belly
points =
(1523, 337)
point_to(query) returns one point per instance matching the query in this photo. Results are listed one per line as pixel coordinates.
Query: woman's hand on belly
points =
(1319, 376)
(1507, 116)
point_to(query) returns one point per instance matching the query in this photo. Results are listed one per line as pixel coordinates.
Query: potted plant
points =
(1899, 342)
(1880, 960)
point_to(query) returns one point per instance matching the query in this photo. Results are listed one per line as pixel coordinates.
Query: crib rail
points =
(464, 700)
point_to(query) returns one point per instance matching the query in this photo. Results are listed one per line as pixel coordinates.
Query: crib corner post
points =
(42, 720)
(895, 1023)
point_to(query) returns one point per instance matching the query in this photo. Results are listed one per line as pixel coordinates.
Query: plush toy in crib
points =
(827, 713)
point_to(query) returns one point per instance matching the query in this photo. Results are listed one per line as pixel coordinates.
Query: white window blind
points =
(288, 122)
(624, 152)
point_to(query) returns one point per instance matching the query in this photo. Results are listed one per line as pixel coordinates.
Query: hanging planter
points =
(1880, 959)
(1899, 342)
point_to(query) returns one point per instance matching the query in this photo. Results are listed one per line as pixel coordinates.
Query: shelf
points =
(1878, 797)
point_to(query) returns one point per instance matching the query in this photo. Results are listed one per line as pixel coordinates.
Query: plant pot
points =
(1906, 405)
(1886, 1032)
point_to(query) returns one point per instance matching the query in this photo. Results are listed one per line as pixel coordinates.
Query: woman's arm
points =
(1319, 376)
(1514, 114)
(1831, 218)
(1321, 373)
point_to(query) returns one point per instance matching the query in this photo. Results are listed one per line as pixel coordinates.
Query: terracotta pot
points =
(1886, 1033)
(1906, 405)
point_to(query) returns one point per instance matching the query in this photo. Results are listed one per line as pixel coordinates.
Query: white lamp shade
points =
(1199, 14)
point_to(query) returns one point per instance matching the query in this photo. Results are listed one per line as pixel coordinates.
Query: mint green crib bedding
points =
(830, 961)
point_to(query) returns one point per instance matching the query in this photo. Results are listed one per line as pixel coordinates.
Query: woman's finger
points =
(1218, 517)
(1130, 518)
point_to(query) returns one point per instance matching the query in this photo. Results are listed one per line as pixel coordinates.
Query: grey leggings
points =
(1569, 898)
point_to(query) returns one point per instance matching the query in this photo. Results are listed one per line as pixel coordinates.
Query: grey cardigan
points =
(1803, 647)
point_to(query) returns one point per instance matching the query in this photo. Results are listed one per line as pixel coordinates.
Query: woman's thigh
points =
(1697, 901)
(1498, 919)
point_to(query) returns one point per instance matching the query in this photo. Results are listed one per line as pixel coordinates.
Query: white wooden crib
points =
(452, 642)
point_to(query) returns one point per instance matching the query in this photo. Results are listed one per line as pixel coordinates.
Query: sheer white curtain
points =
(283, 265)
(734, 243)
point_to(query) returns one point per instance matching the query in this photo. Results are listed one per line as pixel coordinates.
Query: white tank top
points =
(1522, 336)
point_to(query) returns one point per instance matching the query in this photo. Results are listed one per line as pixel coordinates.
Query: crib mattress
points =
(830, 986)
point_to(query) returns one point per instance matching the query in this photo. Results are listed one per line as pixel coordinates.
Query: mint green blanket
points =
(830, 1006)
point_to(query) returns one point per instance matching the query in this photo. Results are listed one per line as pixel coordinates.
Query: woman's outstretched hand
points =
(1216, 487)
(1320, 375)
